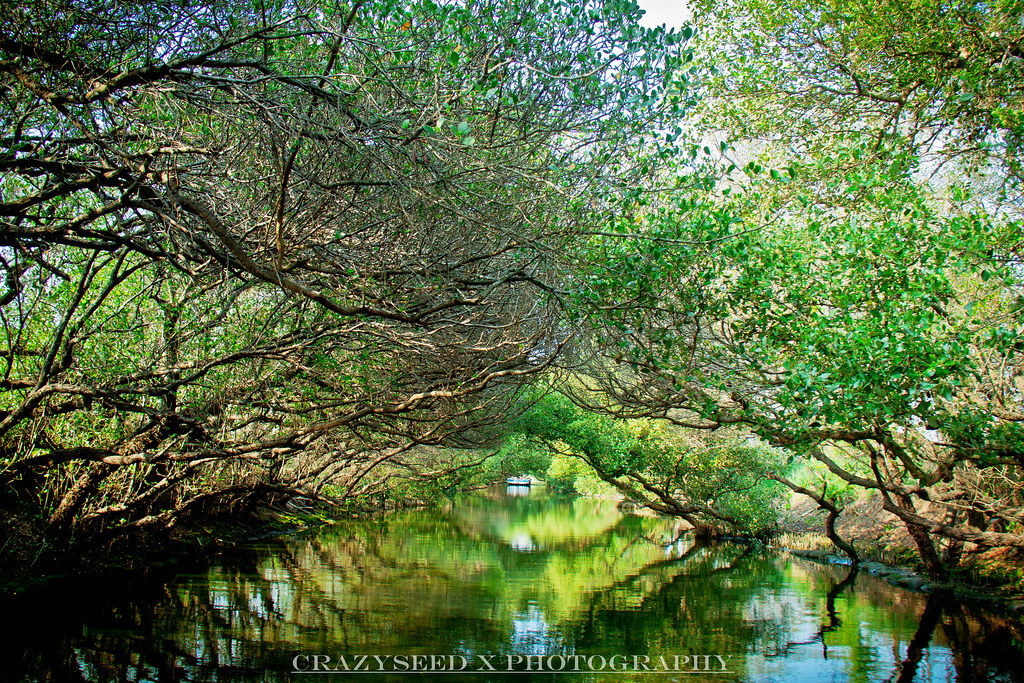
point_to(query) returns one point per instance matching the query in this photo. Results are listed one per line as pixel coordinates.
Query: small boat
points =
(519, 481)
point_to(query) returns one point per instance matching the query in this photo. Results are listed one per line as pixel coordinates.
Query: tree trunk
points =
(925, 547)
(830, 522)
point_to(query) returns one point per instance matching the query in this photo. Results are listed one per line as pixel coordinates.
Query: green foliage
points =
(603, 441)
(813, 475)
(570, 474)
(945, 78)
(844, 269)
(878, 313)
(725, 478)
(517, 456)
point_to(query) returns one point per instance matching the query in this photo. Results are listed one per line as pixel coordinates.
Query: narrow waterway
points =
(506, 587)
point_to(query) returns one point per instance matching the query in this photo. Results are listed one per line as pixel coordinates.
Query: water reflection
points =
(500, 575)
(517, 490)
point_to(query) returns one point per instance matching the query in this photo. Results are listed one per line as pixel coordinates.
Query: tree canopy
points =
(308, 248)
(279, 246)
(828, 289)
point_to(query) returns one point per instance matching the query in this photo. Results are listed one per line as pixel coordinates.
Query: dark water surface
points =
(517, 583)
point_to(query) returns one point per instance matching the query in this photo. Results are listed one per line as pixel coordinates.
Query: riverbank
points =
(991, 577)
(29, 563)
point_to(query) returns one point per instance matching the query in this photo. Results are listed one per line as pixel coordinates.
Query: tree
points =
(279, 247)
(714, 484)
(880, 338)
(940, 81)
(845, 282)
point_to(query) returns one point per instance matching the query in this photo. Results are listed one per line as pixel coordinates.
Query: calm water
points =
(510, 582)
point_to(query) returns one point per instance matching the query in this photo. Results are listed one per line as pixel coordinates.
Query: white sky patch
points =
(673, 13)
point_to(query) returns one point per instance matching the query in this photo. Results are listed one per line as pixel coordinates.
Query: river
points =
(499, 587)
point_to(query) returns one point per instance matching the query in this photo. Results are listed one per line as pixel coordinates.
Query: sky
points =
(671, 12)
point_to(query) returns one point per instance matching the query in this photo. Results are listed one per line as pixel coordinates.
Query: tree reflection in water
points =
(501, 575)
